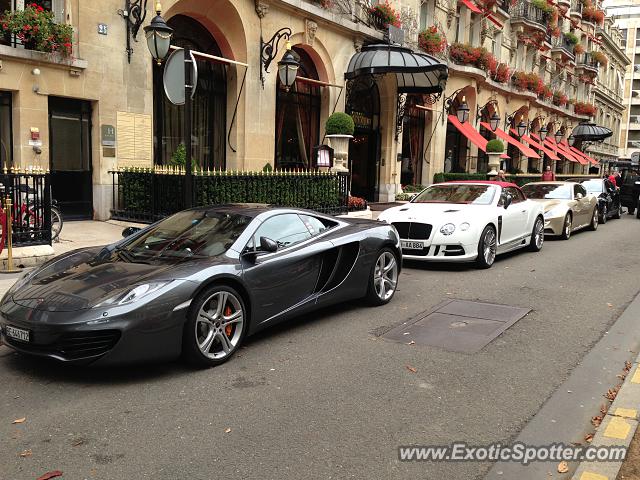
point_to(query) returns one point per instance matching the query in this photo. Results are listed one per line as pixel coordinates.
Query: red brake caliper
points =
(228, 328)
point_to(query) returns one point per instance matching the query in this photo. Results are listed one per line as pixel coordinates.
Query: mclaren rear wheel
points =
(216, 326)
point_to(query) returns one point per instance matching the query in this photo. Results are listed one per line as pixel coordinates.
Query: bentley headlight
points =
(133, 294)
(447, 229)
(464, 226)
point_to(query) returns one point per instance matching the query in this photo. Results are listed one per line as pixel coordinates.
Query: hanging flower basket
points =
(571, 38)
(578, 49)
(582, 108)
(593, 15)
(479, 57)
(502, 74)
(432, 41)
(384, 15)
(37, 29)
(599, 57)
(560, 99)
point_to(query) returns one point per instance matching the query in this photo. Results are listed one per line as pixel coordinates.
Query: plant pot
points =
(494, 163)
(340, 145)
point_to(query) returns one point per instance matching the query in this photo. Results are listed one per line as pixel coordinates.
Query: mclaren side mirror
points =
(268, 245)
(508, 199)
(129, 231)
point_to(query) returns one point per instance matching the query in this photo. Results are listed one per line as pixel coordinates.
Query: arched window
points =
(209, 106)
(298, 118)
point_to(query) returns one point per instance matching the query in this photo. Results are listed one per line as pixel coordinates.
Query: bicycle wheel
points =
(56, 223)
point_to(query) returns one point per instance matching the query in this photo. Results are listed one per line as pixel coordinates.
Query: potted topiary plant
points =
(494, 148)
(339, 131)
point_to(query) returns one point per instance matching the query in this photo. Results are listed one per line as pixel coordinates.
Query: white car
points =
(467, 221)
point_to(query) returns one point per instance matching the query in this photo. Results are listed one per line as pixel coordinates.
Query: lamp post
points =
(463, 111)
(521, 128)
(559, 135)
(543, 132)
(494, 120)
(158, 35)
(288, 68)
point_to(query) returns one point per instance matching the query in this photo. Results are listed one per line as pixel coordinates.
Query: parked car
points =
(197, 283)
(467, 221)
(629, 192)
(607, 194)
(567, 206)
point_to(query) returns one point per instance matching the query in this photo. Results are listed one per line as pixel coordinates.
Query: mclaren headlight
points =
(133, 294)
(447, 229)
(22, 281)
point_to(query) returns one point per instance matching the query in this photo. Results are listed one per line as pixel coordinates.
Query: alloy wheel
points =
(219, 325)
(539, 233)
(385, 275)
(567, 226)
(489, 244)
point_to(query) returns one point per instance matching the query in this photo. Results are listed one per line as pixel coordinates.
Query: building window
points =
(6, 131)
(298, 118)
(208, 137)
(427, 13)
(412, 141)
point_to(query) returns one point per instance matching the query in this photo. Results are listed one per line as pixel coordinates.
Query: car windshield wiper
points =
(127, 256)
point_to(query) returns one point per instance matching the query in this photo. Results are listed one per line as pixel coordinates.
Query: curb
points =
(617, 428)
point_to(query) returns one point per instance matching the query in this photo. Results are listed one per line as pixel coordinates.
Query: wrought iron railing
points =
(30, 194)
(576, 6)
(562, 43)
(147, 195)
(525, 10)
(586, 59)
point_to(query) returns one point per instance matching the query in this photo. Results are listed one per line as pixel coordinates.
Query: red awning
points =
(505, 156)
(471, 133)
(542, 147)
(582, 154)
(563, 151)
(526, 151)
(493, 20)
(471, 6)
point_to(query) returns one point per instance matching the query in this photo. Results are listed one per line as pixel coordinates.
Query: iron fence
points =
(30, 194)
(146, 195)
(524, 10)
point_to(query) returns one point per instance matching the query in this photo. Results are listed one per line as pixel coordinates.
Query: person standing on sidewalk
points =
(548, 175)
(501, 176)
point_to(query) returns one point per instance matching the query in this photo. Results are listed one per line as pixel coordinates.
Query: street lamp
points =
(571, 139)
(543, 132)
(521, 128)
(288, 68)
(494, 121)
(559, 135)
(158, 35)
(463, 111)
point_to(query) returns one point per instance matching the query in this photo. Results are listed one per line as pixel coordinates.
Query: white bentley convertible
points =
(467, 221)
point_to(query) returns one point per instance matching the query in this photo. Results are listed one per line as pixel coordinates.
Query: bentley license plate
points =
(17, 333)
(412, 245)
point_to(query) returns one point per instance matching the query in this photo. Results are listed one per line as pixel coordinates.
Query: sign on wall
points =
(135, 140)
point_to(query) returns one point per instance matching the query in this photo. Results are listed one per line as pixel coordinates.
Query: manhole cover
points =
(458, 325)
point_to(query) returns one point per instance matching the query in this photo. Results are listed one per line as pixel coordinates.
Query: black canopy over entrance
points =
(415, 72)
(590, 132)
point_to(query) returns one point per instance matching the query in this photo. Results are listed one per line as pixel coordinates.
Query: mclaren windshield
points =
(475, 194)
(188, 234)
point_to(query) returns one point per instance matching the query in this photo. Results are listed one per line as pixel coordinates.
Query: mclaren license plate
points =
(412, 244)
(18, 333)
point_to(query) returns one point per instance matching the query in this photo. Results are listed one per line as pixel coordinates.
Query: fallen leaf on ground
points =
(563, 467)
(411, 369)
(627, 366)
(621, 376)
(227, 430)
(609, 304)
(19, 420)
(77, 442)
(26, 453)
(604, 409)
(411, 343)
(596, 421)
(48, 475)
(588, 438)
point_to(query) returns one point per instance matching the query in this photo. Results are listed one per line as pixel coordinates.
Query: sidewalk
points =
(77, 235)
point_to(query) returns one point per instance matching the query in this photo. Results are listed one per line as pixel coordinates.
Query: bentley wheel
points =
(603, 217)
(593, 226)
(566, 227)
(384, 278)
(216, 326)
(487, 247)
(618, 212)
(537, 235)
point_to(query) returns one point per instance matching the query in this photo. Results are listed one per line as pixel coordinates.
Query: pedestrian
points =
(548, 175)
(617, 179)
(501, 176)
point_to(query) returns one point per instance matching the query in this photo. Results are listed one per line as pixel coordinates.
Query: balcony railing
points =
(585, 60)
(564, 45)
(526, 11)
(576, 7)
(504, 5)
